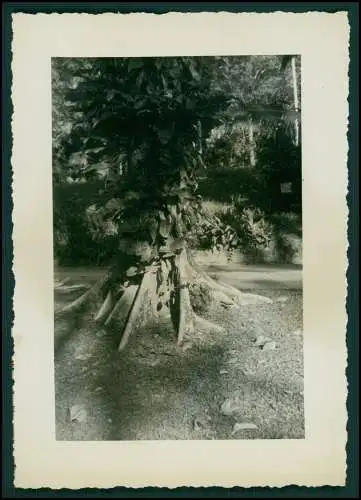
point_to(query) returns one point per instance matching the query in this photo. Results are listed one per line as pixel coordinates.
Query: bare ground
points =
(154, 390)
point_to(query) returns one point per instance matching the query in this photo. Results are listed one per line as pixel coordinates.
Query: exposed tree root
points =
(118, 316)
(224, 290)
(185, 311)
(59, 284)
(105, 308)
(218, 294)
(90, 295)
(205, 325)
(135, 311)
(71, 288)
(185, 320)
(126, 307)
(238, 297)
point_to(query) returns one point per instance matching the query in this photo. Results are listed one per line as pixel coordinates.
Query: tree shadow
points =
(149, 399)
(64, 329)
(153, 385)
(154, 391)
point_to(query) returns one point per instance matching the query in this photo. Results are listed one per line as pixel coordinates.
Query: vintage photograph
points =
(177, 216)
(180, 249)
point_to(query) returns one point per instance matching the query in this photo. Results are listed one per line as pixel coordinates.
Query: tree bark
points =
(129, 159)
(252, 154)
(135, 304)
(295, 98)
(200, 136)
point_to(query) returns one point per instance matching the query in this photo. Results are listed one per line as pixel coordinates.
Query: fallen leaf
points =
(261, 341)
(78, 413)
(186, 346)
(211, 435)
(98, 389)
(238, 426)
(269, 346)
(231, 406)
(223, 372)
(198, 424)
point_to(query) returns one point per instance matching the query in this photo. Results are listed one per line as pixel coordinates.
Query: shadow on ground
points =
(156, 391)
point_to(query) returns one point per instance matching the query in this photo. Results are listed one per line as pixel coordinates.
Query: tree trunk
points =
(129, 306)
(295, 98)
(200, 135)
(252, 154)
(129, 157)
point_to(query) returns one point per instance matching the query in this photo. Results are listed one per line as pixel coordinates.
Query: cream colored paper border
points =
(322, 41)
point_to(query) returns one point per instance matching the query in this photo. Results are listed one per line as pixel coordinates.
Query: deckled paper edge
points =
(28, 449)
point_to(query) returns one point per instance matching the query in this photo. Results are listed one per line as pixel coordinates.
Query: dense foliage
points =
(136, 142)
(139, 116)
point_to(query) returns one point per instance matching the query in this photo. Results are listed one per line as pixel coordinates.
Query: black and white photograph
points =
(180, 249)
(177, 190)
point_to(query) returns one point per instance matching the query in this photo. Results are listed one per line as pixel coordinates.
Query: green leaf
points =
(134, 64)
(164, 228)
(194, 72)
(114, 204)
(94, 150)
(164, 83)
(164, 135)
(132, 271)
(126, 227)
(110, 94)
(190, 103)
(153, 232)
(173, 211)
(140, 79)
(132, 195)
(140, 103)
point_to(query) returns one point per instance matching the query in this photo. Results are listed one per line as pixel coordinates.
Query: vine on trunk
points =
(150, 111)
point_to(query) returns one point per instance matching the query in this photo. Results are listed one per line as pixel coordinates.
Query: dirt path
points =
(211, 389)
(252, 277)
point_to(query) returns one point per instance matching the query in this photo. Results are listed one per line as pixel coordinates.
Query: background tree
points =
(147, 111)
(295, 64)
(254, 157)
(261, 97)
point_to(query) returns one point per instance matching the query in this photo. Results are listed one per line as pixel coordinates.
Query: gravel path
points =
(217, 387)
